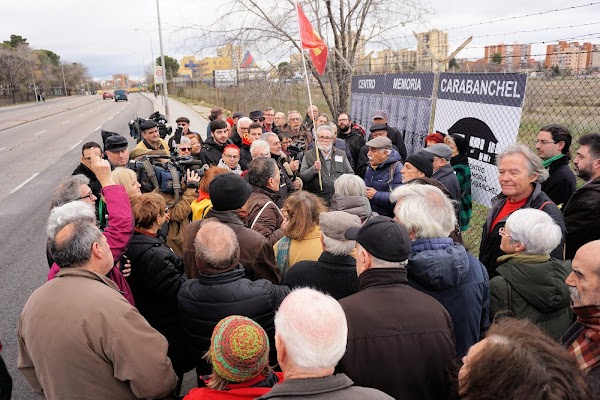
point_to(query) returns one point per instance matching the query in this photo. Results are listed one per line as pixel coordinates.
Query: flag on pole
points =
(248, 60)
(311, 40)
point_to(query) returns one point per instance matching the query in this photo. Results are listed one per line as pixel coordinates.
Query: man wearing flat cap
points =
(335, 271)
(380, 117)
(442, 169)
(377, 130)
(116, 150)
(407, 334)
(383, 174)
(151, 139)
(418, 165)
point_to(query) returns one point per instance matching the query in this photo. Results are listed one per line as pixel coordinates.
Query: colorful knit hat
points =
(239, 349)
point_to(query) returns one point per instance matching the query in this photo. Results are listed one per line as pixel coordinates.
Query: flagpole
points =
(314, 133)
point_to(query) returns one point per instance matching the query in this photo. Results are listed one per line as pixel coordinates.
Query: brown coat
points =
(79, 338)
(179, 218)
(264, 216)
(256, 254)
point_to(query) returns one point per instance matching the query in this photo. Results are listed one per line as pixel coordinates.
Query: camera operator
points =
(183, 129)
(151, 139)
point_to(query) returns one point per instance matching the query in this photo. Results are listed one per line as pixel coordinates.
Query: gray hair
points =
(259, 146)
(68, 190)
(325, 127)
(534, 229)
(350, 185)
(75, 248)
(313, 328)
(338, 247)
(424, 210)
(379, 263)
(68, 213)
(243, 119)
(268, 135)
(217, 245)
(293, 112)
(185, 140)
(534, 163)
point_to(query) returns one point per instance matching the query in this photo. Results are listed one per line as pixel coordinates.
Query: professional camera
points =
(296, 149)
(185, 163)
(161, 121)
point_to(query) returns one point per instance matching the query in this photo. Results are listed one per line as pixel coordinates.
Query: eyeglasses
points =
(258, 119)
(243, 129)
(545, 142)
(325, 138)
(294, 119)
(89, 196)
(502, 232)
(231, 156)
(181, 125)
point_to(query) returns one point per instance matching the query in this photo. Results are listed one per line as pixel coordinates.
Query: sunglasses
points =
(185, 148)
(261, 119)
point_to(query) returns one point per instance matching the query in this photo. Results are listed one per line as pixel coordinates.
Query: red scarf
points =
(246, 141)
(586, 348)
(202, 195)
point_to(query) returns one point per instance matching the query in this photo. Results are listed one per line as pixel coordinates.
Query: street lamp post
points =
(151, 47)
(162, 61)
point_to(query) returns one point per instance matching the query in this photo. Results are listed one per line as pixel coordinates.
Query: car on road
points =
(107, 95)
(121, 94)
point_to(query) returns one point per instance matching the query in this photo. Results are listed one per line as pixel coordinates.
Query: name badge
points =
(339, 158)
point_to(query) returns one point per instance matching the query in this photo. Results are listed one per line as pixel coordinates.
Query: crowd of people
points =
(296, 257)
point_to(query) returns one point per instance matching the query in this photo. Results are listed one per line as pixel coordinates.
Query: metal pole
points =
(33, 78)
(62, 67)
(162, 61)
(150, 40)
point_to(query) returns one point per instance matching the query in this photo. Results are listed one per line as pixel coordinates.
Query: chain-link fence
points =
(491, 110)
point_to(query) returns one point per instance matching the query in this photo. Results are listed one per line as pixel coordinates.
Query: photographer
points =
(151, 139)
(183, 129)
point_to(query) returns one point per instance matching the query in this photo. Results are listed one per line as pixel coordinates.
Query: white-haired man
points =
(335, 271)
(310, 336)
(332, 163)
(101, 346)
(441, 268)
(400, 340)
(520, 173)
(260, 148)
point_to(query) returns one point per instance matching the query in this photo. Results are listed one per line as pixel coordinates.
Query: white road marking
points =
(24, 183)
(75, 145)
(81, 115)
(97, 128)
(39, 133)
(64, 122)
(2, 148)
(111, 117)
(22, 113)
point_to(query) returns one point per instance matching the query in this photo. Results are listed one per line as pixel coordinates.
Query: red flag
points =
(311, 40)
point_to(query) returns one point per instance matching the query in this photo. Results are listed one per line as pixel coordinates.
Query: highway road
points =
(34, 157)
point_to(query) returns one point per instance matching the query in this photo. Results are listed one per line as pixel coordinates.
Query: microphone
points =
(289, 171)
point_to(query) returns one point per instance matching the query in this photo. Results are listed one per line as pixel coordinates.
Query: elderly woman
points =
(530, 283)
(517, 360)
(519, 173)
(184, 148)
(157, 276)
(230, 159)
(128, 179)
(351, 196)
(239, 355)
(460, 164)
(196, 142)
(202, 204)
(303, 236)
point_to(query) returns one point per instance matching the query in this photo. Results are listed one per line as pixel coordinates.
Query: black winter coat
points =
(582, 217)
(245, 156)
(489, 249)
(355, 141)
(397, 139)
(211, 152)
(447, 177)
(203, 302)
(156, 277)
(378, 180)
(561, 183)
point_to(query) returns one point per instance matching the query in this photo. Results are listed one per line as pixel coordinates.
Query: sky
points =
(102, 34)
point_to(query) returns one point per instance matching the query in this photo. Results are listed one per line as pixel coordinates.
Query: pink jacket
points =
(118, 233)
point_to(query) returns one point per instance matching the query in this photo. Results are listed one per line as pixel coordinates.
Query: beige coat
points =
(79, 338)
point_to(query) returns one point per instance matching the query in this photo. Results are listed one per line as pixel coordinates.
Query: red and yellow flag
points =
(311, 40)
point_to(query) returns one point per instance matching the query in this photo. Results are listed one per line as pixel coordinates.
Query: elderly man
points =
(442, 169)
(116, 151)
(319, 175)
(223, 289)
(101, 346)
(353, 138)
(441, 268)
(260, 148)
(383, 174)
(553, 144)
(269, 122)
(288, 167)
(310, 336)
(377, 130)
(582, 217)
(183, 129)
(405, 333)
(229, 193)
(254, 132)
(264, 215)
(418, 165)
(582, 337)
(312, 112)
(279, 121)
(88, 151)
(299, 134)
(520, 173)
(335, 271)
(397, 138)
(212, 148)
(151, 139)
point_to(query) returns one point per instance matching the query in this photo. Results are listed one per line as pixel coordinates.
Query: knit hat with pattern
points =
(239, 349)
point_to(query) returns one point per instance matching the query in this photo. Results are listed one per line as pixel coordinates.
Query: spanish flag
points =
(311, 40)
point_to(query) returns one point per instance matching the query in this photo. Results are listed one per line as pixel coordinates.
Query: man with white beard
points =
(332, 164)
(582, 339)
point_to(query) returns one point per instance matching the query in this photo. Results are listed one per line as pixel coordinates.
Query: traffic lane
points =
(32, 148)
(31, 112)
(23, 243)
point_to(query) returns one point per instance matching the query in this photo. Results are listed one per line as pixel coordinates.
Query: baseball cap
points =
(383, 238)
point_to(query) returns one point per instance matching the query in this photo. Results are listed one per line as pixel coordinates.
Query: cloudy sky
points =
(102, 35)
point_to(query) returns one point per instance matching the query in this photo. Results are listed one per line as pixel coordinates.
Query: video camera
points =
(296, 149)
(161, 122)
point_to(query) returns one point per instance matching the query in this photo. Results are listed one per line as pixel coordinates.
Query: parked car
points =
(107, 95)
(121, 94)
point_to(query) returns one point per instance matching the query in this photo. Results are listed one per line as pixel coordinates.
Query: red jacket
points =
(118, 233)
(234, 391)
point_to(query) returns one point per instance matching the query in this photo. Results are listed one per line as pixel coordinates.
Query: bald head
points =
(584, 280)
(80, 244)
(217, 247)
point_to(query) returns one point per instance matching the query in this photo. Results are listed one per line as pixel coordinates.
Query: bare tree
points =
(270, 27)
(15, 69)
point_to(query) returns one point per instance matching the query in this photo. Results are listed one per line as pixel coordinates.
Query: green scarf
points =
(549, 161)
(523, 258)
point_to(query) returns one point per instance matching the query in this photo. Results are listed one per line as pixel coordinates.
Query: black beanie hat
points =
(461, 143)
(228, 192)
(423, 161)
